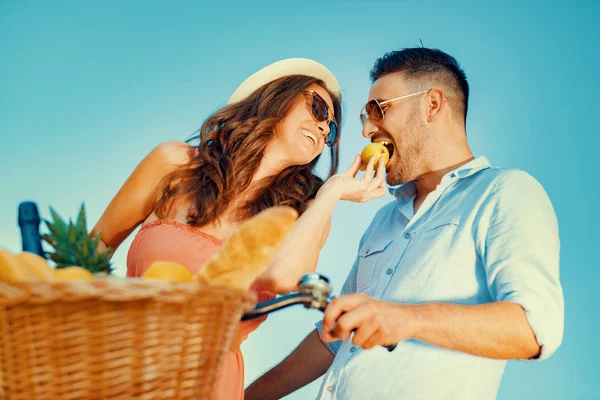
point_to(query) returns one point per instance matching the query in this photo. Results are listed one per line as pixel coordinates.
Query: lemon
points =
(374, 149)
(73, 273)
(13, 269)
(168, 271)
(37, 265)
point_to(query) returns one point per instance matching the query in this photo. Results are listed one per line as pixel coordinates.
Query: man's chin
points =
(394, 180)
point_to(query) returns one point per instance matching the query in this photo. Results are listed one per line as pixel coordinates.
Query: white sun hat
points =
(286, 67)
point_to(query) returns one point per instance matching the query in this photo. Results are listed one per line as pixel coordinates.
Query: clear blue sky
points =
(88, 88)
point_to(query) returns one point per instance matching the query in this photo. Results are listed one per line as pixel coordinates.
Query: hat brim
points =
(282, 68)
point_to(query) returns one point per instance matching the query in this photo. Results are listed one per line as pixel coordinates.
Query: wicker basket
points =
(115, 338)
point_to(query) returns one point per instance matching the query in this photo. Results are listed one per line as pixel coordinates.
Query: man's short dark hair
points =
(426, 68)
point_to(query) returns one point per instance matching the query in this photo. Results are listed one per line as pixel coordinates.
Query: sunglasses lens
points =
(374, 110)
(363, 118)
(332, 136)
(320, 112)
(319, 108)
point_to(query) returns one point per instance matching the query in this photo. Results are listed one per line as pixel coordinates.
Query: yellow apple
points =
(374, 149)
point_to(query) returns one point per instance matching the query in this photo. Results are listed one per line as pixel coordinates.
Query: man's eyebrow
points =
(378, 98)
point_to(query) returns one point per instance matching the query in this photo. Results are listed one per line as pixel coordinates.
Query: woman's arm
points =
(299, 252)
(134, 201)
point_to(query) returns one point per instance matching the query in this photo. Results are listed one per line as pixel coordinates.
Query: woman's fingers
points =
(354, 167)
(377, 193)
(369, 170)
(370, 185)
(379, 176)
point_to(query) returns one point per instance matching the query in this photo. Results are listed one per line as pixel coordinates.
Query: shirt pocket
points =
(437, 230)
(432, 249)
(370, 256)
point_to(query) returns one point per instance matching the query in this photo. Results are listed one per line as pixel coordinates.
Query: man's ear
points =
(435, 103)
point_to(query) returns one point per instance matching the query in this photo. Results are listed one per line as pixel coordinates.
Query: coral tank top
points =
(169, 240)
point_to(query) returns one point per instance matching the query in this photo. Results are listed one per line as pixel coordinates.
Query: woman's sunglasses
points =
(375, 110)
(320, 112)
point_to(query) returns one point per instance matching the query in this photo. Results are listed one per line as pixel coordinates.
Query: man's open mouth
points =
(388, 145)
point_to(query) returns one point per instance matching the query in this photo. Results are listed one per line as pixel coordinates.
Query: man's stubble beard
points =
(410, 157)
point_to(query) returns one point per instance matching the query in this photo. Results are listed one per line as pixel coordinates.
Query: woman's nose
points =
(323, 127)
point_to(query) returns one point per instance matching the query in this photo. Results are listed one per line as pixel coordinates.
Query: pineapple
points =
(73, 245)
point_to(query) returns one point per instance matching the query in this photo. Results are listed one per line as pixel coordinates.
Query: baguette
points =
(250, 250)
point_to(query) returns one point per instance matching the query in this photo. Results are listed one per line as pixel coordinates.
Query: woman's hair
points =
(232, 145)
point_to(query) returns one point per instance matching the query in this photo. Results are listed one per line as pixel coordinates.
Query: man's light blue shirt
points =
(484, 235)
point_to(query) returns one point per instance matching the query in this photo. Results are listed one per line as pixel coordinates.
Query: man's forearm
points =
(495, 330)
(309, 361)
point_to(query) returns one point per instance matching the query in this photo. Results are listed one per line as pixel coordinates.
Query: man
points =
(461, 270)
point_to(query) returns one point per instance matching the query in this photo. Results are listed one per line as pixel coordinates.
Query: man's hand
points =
(374, 322)
(498, 330)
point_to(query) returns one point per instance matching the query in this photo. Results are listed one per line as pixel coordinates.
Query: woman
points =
(258, 151)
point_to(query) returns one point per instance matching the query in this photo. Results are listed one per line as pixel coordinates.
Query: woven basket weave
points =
(113, 338)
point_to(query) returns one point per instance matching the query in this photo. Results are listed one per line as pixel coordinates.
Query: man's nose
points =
(369, 129)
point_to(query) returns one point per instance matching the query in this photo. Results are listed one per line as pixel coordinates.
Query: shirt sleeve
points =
(521, 256)
(348, 287)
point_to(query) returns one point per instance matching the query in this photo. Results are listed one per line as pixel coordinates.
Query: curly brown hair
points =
(232, 144)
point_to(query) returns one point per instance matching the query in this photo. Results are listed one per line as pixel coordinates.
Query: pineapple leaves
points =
(81, 222)
(72, 233)
(49, 239)
(96, 240)
(58, 228)
(74, 246)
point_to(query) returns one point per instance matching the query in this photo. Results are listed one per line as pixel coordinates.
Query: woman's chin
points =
(302, 156)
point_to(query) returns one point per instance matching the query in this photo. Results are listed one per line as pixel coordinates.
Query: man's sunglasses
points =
(320, 112)
(375, 110)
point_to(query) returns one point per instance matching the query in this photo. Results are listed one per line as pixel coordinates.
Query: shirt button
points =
(407, 235)
(389, 271)
(352, 349)
(330, 388)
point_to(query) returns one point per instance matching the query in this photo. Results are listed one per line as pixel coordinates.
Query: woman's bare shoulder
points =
(135, 200)
(172, 152)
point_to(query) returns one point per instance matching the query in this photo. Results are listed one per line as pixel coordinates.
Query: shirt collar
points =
(408, 190)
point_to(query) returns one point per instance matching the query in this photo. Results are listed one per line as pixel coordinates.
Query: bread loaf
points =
(250, 250)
